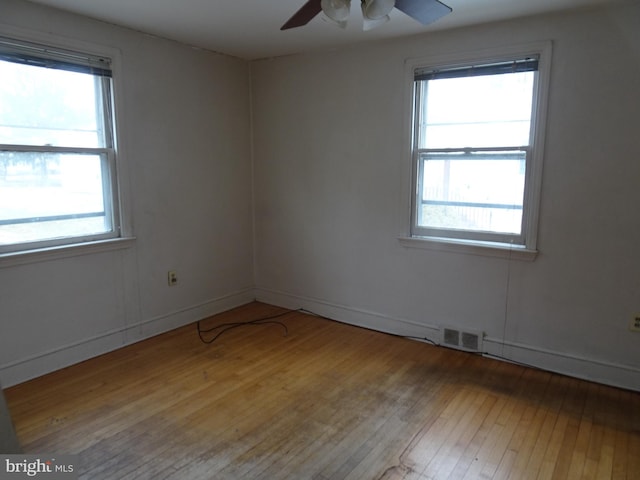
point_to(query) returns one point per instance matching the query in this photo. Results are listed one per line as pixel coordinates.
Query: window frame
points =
(112, 161)
(414, 235)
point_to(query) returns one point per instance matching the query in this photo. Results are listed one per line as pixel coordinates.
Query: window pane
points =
(482, 111)
(481, 191)
(43, 106)
(51, 195)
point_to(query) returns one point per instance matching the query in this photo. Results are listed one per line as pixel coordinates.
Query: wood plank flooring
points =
(327, 401)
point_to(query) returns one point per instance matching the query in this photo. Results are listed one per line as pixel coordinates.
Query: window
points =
(57, 149)
(476, 168)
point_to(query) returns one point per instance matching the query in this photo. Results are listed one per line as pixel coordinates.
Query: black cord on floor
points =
(232, 325)
(422, 339)
(515, 362)
(270, 320)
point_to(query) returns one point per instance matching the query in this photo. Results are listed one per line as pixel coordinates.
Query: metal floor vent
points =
(462, 340)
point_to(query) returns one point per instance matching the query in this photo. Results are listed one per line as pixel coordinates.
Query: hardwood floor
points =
(327, 401)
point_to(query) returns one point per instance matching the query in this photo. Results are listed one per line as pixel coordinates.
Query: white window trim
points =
(26, 257)
(120, 171)
(528, 251)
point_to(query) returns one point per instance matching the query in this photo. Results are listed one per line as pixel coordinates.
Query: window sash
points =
(102, 136)
(109, 211)
(419, 228)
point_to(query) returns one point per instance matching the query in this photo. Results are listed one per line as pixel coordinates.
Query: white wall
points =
(185, 142)
(331, 183)
(330, 195)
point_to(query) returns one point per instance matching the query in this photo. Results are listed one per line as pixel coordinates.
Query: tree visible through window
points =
(473, 144)
(57, 156)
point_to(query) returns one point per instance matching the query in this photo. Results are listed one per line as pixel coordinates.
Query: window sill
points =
(486, 249)
(64, 251)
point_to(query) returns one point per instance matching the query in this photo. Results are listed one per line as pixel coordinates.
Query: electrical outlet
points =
(172, 278)
(634, 324)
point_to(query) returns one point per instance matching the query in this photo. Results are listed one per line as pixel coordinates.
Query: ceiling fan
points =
(374, 12)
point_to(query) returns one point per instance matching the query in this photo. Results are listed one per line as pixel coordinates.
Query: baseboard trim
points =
(590, 369)
(24, 369)
(604, 372)
(595, 370)
(345, 314)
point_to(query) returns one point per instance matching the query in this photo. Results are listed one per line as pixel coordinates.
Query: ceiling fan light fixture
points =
(374, 12)
(377, 9)
(368, 24)
(342, 24)
(336, 10)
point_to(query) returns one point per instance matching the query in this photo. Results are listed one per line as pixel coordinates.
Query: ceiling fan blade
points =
(424, 11)
(304, 15)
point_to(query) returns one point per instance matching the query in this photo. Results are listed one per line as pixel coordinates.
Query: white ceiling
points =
(250, 29)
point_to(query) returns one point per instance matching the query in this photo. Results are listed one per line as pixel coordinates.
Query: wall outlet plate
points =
(172, 278)
(634, 324)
